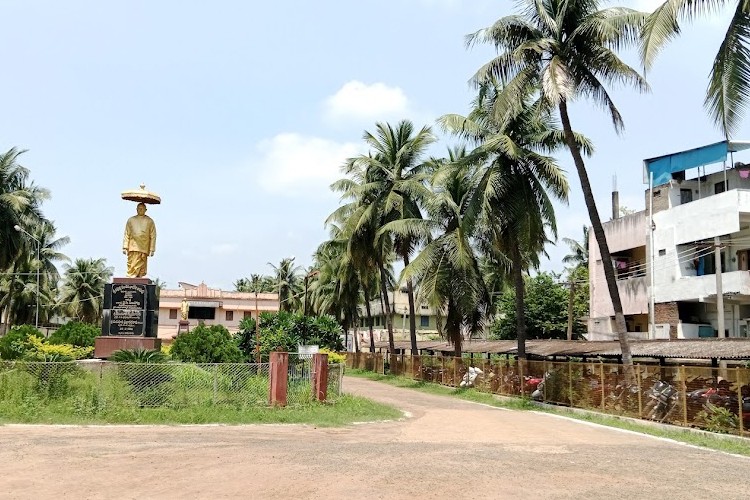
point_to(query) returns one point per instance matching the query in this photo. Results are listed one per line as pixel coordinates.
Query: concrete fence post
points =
(320, 376)
(278, 374)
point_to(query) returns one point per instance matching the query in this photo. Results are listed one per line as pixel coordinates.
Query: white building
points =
(210, 306)
(692, 206)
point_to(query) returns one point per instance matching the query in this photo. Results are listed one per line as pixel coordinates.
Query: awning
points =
(204, 303)
(663, 166)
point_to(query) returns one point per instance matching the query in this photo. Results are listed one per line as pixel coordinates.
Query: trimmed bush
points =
(75, 333)
(16, 343)
(206, 344)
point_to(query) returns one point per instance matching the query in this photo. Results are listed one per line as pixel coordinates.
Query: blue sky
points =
(239, 114)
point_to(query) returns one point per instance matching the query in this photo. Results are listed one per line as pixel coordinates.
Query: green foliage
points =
(15, 343)
(546, 305)
(334, 358)
(284, 331)
(206, 344)
(717, 419)
(44, 351)
(138, 356)
(75, 333)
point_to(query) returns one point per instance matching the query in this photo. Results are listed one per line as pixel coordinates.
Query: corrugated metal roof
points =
(732, 348)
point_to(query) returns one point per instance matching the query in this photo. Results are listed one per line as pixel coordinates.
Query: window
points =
(229, 316)
(173, 314)
(247, 314)
(686, 196)
(662, 252)
(720, 187)
(202, 313)
(424, 321)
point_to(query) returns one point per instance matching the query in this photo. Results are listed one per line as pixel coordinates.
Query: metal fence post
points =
(601, 375)
(683, 378)
(570, 383)
(216, 382)
(739, 400)
(640, 392)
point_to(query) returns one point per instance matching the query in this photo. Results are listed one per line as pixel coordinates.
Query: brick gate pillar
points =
(278, 373)
(320, 376)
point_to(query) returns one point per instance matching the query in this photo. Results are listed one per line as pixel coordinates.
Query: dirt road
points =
(446, 449)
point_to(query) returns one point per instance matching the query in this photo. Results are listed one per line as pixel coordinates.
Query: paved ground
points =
(447, 449)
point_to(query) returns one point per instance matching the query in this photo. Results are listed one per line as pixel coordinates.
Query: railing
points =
(170, 385)
(715, 399)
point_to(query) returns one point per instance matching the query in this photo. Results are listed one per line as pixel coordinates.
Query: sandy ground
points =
(447, 449)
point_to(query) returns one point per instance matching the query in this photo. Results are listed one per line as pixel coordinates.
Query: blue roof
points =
(663, 166)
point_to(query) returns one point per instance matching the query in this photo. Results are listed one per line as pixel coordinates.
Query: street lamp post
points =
(38, 266)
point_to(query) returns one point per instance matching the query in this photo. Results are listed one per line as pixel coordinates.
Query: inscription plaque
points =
(128, 309)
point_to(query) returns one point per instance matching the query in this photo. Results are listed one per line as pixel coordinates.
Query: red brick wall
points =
(666, 312)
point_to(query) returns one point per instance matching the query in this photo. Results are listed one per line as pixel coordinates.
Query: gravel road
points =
(446, 448)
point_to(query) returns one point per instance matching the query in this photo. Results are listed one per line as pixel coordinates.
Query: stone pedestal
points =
(105, 346)
(183, 326)
(130, 318)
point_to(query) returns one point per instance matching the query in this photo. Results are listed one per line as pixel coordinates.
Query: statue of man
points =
(184, 308)
(139, 242)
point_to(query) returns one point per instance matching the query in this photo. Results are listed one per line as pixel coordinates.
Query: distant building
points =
(689, 213)
(426, 319)
(211, 306)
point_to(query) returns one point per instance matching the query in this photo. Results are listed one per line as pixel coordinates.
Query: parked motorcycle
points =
(663, 401)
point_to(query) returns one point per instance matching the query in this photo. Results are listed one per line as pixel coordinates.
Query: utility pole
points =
(570, 308)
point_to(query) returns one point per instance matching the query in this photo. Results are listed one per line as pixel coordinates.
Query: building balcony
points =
(703, 288)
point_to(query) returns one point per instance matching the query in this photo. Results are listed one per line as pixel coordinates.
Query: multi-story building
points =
(211, 306)
(695, 212)
(426, 319)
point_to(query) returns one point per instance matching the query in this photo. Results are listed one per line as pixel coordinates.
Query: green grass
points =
(346, 410)
(705, 440)
(159, 394)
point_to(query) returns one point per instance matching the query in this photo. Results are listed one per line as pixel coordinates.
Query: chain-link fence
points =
(711, 398)
(171, 385)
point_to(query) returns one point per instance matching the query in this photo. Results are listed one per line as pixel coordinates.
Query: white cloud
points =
(356, 100)
(293, 164)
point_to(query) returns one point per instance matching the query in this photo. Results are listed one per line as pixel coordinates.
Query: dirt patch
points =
(447, 449)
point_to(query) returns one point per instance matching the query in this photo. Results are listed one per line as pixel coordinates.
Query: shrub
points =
(15, 343)
(42, 351)
(138, 356)
(718, 419)
(334, 358)
(76, 333)
(284, 331)
(206, 344)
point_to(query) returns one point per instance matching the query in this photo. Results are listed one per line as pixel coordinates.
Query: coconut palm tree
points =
(729, 80)
(513, 200)
(287, 283)
(359, 219)
(20, 202)
(579, 250)
(448, 267)
(394, 169)
(83, 288)
(566, 50)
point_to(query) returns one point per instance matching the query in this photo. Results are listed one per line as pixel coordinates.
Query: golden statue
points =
(184, 307)
(139, 241)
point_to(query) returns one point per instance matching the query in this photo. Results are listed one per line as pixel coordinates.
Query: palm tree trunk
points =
(453, 328)
(515, 255)
(596, 224)
(412, 317)
(387, 308)
(369, 322)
